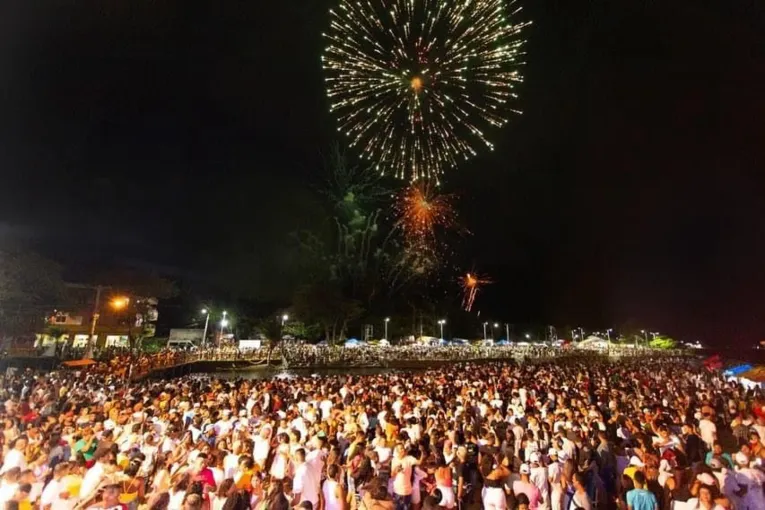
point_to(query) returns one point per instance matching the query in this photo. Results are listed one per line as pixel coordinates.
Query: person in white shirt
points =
(94, 475)
(51, 491)
(326, 409)
(553, 477)
(262, 447)
(401, 471)
(538, 477)
(9, 485)
(305, 485)
(15, 457)
(332, 491)
(708, 431)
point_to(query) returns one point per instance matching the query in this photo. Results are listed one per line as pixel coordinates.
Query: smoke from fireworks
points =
(471, 284)
(415, 83)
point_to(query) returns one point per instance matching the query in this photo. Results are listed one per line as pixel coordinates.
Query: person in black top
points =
(694, 448)
(468, 477)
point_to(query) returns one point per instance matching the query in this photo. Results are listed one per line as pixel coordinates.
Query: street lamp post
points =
(206, 312)
(284, 318)
(645, 337)
(387, 320)
(440, 323)
(484, 330)
(507, 332)
(492, 330)
(608, 335)
(223, 324)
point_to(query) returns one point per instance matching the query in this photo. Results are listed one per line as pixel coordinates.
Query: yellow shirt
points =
(630, 471)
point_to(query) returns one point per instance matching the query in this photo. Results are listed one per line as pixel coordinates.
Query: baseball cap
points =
(534, 457)
(715, 464)
(635, 461)
(552, 452)
(525, 470)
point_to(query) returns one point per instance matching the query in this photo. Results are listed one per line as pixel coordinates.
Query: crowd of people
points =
(568, 434)
(134, 365)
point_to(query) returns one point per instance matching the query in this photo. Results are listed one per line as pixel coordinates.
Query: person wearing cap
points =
(751, 482)
(717, 453)
(538, 476)
(524, 486)
(726, 481)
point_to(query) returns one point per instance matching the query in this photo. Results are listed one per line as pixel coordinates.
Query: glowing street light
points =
(527, 336)
(119, 303)
(441, 323)
(285, 318)
(387, 320)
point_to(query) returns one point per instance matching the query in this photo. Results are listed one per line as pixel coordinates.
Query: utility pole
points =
(94, 318)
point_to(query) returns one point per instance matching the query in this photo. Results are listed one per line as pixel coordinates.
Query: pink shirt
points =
(530, 490)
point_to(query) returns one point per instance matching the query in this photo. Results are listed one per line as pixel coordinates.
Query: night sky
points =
(180, 137)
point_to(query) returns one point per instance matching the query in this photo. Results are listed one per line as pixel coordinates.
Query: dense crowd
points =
(574, 433)
(312, 356)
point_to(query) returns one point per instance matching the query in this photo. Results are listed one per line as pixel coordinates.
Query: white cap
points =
(635, 461)
(525, 469)
(552, 452)
(715, 463)
(534, 457)
(706, 479)
(741, 459)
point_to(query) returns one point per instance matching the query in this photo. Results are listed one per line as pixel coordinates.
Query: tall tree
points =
(30, 285)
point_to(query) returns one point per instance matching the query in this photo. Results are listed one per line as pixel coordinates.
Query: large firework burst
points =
(471, 283)
(415, 83)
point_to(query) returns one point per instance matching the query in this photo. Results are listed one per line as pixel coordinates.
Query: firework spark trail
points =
(416, 83)
(471, 283)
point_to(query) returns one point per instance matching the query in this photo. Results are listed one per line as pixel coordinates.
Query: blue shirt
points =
(641, 499)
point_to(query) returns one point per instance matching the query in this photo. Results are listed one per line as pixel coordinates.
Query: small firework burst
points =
(471, 283)
(421, 212)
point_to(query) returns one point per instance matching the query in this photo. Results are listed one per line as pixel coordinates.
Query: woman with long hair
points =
(494, 474)
(218, 499)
